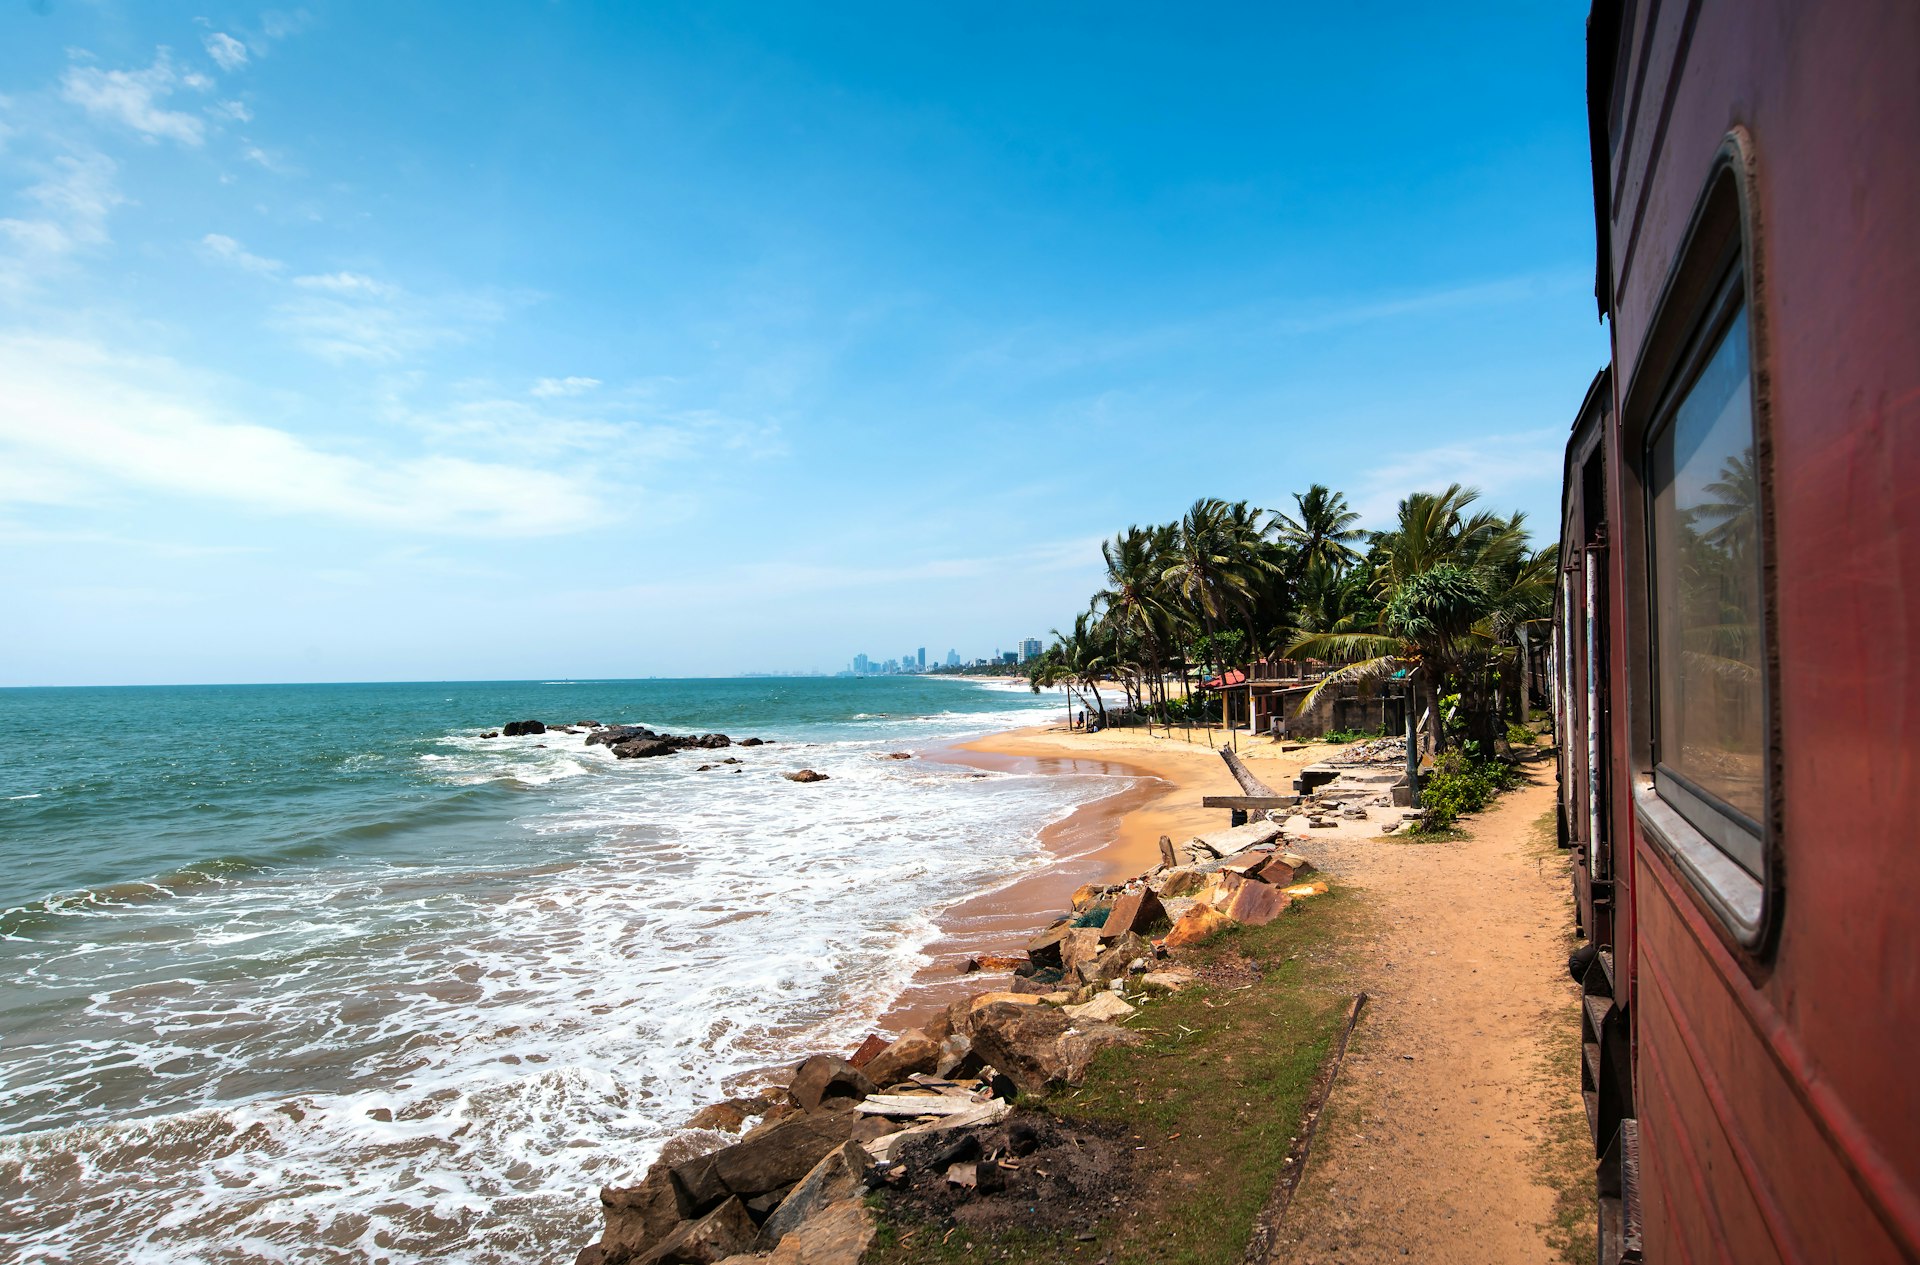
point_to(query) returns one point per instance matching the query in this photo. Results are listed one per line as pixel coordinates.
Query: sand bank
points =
(1110, 839)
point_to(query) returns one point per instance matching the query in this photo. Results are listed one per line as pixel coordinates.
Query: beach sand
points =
(1111, 839)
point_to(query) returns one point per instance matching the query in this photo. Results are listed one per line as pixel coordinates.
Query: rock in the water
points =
(635, 1217)
(1019, 1042)
(642, 748)
(834, 1178)
(805, 775)
(753, 742)
(491, 733)
(1133, 913)
(823, 1078)
(721, 1116)
(1196, 926)
(613, 735)
(1106, 1008)
(914, 1051)
(519, 728)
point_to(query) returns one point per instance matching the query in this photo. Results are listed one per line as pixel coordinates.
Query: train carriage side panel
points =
(1759, 194)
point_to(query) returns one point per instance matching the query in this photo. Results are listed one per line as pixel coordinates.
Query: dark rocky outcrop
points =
(642, 748)
(519, 728)
(805, 775)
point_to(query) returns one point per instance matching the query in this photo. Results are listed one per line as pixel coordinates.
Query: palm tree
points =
(1323, 536)
(1133, 604)
(1453, 590)
(1077, 658)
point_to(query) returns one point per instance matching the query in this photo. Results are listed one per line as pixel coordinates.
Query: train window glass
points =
(1710, 730)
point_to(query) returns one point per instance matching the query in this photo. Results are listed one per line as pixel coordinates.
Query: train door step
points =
(1619, 1174)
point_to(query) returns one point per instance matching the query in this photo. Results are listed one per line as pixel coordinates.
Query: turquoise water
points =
(329, 976)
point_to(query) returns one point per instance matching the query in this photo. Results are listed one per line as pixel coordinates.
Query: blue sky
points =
(364, 342)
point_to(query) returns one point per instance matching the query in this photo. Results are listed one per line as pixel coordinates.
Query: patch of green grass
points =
(1213, 1101)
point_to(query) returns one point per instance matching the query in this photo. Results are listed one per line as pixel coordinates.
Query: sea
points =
(318, 973)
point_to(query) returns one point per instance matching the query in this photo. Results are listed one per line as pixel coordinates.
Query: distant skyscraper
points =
(1029, 649)
(953, 658)
(921, 656)
(862, 665)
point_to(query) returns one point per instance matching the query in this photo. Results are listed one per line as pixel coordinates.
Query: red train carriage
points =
(1738, 709)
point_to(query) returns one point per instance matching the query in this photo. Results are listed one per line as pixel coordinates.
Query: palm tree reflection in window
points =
(1706, 537)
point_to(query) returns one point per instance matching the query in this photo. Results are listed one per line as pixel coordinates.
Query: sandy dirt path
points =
(1432, 1147)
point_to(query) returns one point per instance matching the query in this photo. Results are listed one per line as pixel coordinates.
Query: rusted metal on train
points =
(1736, 696)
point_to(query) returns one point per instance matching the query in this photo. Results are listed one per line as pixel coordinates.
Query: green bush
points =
(1460, 784)
(1352, 735)
(1519, 735)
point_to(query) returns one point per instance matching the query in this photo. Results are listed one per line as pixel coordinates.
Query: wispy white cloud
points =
(551, 388)
(235, 111)
(133, 98)
(352, 317)
(350, 283)
(229, 52)
(74, 202)
(107, 424)
(1500, 466)
(224, 249)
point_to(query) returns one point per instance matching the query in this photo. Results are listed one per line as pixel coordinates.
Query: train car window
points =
(1710, 730)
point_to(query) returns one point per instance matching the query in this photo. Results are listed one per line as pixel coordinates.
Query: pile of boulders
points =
(932, 1106)
(637, 742)
(627, 742)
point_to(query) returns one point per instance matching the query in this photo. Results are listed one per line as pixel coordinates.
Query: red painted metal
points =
(1772, 1080)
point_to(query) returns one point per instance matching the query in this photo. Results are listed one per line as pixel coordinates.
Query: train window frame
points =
(1730, 862)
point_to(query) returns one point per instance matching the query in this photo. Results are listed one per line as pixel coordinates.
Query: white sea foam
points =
(481, 1047)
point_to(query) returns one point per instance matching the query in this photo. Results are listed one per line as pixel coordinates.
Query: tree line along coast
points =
(1446, 600)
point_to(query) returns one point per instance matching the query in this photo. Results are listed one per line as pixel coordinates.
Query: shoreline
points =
(1102, 841)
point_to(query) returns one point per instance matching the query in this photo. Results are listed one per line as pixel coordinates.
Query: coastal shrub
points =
(1519, 735)
(1353, 735)
(1459, 784)
(1094, 917)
